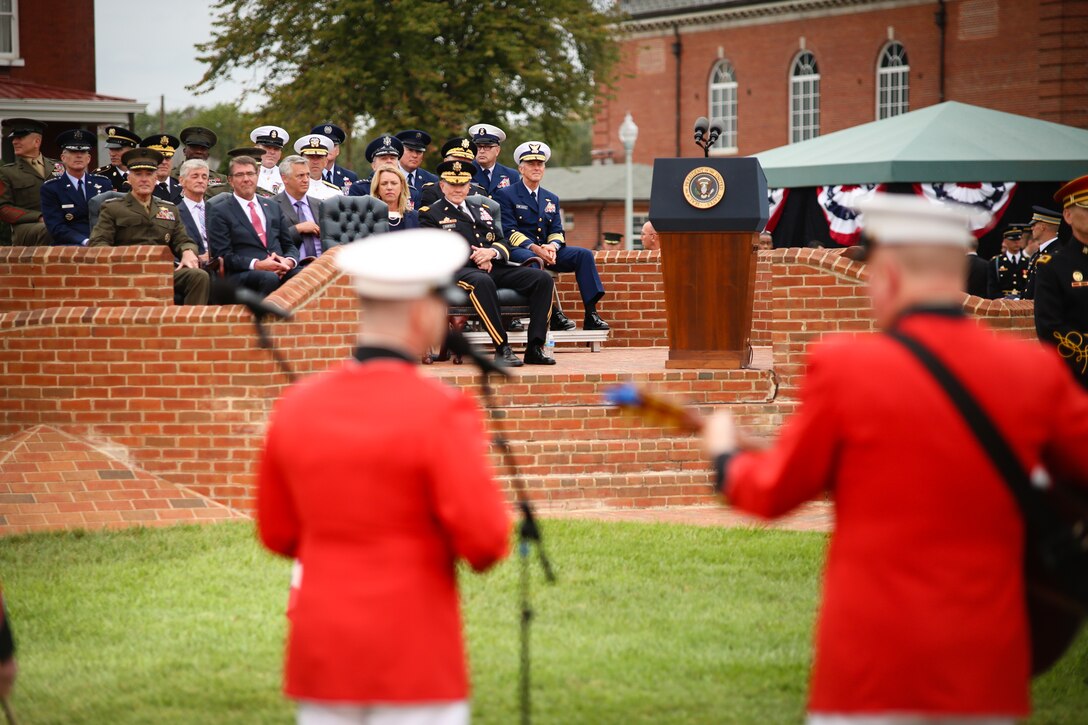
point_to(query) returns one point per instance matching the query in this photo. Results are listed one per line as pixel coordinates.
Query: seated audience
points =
(390, 185)
(139, 217)
(300, 210)
(64, 198)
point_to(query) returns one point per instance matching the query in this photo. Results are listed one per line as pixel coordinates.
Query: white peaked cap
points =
(403, 266)
(904, 219)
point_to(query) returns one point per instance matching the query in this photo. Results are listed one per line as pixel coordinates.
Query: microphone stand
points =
(528, 535)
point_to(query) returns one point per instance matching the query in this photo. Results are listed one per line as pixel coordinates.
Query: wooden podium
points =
(708, 213)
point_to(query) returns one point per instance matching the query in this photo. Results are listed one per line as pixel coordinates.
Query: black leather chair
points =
(344, 219)
(94, 205)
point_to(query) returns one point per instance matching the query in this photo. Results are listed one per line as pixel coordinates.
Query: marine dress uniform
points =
(475, 224)
(923, 614)
(533, 216)
(64, 198)
(378, 503)
(20, 186)
(1061, 289)
(126, 221)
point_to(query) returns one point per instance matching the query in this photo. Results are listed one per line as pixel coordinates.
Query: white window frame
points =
(722, 101)
(892, 81)
(11, 58)
(637, 222)
(804, 100)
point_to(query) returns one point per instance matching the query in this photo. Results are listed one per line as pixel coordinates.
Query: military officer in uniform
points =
(199, 142)
(1061, 287)
(139, 217)
(21, 181)
(271, 139)
(457, 148)
(533, 223)
(118, 140)
(1009, 269)
(315, 148)
(383, 152)
(334, 173)
(411, 163)
(167, 187)
(490, 174)
(1043, 228)
(486, 268)
(64, 198)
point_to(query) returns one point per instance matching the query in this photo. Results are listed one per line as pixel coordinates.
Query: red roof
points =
(18, 89)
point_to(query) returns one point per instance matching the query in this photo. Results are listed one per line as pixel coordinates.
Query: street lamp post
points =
(628, 135)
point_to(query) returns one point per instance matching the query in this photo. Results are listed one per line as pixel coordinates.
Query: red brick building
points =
(780, 72)
(47, 69)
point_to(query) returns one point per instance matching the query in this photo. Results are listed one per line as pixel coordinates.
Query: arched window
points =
(892, 81)
(804, 97)
(723, 103)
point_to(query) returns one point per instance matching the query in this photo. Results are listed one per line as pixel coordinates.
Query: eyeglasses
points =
(244, 174)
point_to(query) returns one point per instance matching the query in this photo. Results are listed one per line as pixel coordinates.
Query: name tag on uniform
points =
(67, 206)
(166, 214)
(521, 206)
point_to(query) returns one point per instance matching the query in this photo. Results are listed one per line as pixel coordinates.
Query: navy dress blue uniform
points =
(232, 237)
(64, 208)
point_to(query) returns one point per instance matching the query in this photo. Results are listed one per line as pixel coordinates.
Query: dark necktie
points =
(488, 172)
(82, 191)
(533, 194)
(311, 244)
(412, 179)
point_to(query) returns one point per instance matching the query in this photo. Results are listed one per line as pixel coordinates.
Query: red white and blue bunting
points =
(837, 202)
(989, 200)
(776, 202)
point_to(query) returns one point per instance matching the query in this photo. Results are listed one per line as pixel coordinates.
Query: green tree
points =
(439, 65)
(230, 124)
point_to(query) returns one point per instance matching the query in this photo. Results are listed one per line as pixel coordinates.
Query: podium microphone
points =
(458, 345)
(716, 128)
(700, 128)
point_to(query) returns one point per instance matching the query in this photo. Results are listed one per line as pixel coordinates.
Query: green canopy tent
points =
(949, 142)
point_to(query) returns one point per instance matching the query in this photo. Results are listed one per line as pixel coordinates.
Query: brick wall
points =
(183, 393)
(1020, 56)
(593, 219)
(40, 27)
(35, 278)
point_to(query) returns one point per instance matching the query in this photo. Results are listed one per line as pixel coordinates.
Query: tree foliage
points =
(439, 65)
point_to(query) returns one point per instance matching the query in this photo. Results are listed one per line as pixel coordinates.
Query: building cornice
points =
(702, 19)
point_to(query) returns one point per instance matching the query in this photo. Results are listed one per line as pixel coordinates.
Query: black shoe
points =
(560, 321)
(535, 355)
(515, 325)
(507, 357)
(594, 322)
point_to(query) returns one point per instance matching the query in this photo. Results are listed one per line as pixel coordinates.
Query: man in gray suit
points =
(300, 211)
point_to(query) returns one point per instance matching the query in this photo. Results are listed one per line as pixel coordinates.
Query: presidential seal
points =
(704, 187)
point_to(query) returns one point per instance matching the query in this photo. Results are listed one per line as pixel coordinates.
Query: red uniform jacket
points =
(923, 604)
(376, 478)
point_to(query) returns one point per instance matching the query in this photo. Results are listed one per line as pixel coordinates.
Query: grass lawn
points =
(648, 623)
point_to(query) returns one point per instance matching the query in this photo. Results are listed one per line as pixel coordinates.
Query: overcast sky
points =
(164, 64)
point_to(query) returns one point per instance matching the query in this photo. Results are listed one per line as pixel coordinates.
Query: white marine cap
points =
(533, 151)
(905, 219)
(378, 268)
(485, 133)
(269, 136)
(314, 144)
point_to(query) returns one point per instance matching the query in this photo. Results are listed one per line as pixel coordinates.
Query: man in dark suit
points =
(490, 174)
(334, 173)
(299, 209)
(118, 140)
(249, 232)
(487, 267)
(978, 271)
(64, 198)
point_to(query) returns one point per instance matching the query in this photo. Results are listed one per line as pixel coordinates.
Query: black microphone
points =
(700, 128)
(459, 345)
(234, 295)
(716, 128)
